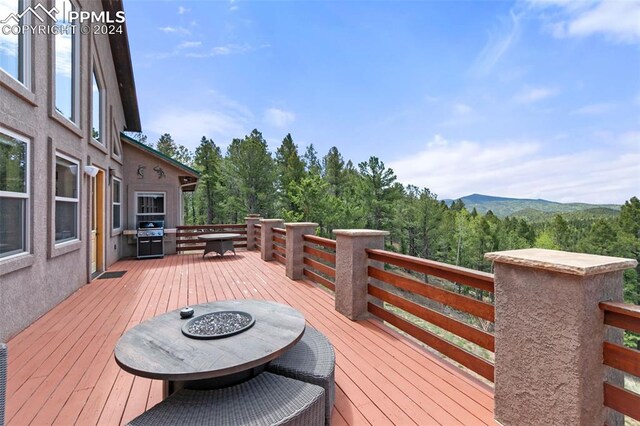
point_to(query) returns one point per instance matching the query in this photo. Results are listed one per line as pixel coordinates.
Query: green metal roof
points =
(157, 153)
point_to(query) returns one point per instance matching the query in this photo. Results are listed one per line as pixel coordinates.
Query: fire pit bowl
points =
(216, 325)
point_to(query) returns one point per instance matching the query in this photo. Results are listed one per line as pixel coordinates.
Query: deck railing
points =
(280, 245)
(320, 260)
(187, 235)
(469, 318)
(626, 317)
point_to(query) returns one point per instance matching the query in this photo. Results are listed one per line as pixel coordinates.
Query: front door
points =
(97, 224)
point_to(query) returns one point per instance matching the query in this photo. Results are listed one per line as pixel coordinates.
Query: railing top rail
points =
(217, 226)
(478, 279)
(325, 242)
(621, 308)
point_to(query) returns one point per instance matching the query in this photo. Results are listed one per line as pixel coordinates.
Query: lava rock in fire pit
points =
(218, 324)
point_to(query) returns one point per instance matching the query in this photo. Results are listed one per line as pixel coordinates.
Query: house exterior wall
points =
(34, 282)
(151, 181)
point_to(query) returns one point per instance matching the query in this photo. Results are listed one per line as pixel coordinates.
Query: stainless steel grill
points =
(150, 236)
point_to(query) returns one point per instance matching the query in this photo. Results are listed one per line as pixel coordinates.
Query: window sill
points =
(65, 122)
(96, 144)
(116, 232)
(17, 88)
(16, 263)
(60, 249)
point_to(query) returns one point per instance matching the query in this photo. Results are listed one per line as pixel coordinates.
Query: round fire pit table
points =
(219, 243)
(159, 349)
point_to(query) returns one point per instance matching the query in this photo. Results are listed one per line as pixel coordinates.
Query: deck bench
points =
(311, 360)
(265, 400)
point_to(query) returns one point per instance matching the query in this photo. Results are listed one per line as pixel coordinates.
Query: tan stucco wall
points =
(31, 285)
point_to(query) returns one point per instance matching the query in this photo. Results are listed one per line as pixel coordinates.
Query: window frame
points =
(141, 216)
(76, 113)
(24, 59)
(114, 203)
(67, 200)
(97, 76)
(26, 196)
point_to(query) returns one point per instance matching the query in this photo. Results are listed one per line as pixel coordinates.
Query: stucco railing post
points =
(351, 294)
(266, 237)
(295, 247)
(251, 220)
(549, 332)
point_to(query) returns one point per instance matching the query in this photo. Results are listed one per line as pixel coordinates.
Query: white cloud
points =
(522, 169)
(279, 118)
(174, 30)
(189, 44)
(182, 10)
(617, 20)
(534, 94)
(499, 43)
(188, 126)
(594, 109)
(462, 109)
(228, 49)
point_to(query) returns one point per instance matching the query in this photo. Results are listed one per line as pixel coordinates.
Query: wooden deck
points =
(62, 370)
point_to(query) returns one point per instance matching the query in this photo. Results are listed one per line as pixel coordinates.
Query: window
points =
(149, 206)
(67, 199)
(66, 62)
(14, 194)
(14, 48)
(96, 108)
(116, 214)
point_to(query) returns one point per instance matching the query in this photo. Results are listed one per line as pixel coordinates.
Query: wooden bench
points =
(311, 360)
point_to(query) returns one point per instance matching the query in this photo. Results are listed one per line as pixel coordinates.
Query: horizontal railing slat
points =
(279, 258)
(319, 279)
(279, 240)
(190, 248)
(280, 231)
(196, 240)
(622, 315)
(625, 359)
(622, 400)
(324, 242)
(195, 234)
(279, 249)
(445, 322)
(324, 255)
(469, 360)
(320, 267)
(470, 277)
(462, 303)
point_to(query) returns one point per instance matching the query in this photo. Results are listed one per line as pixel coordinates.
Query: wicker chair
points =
(3, 379)
(265, 400)
(311, 360)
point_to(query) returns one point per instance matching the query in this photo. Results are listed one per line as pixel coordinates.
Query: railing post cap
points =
(271, 220)
(562, 261)
(252, 216)
(299, 224)
(360, 232)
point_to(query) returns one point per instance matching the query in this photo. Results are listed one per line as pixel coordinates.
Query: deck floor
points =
(62, 370)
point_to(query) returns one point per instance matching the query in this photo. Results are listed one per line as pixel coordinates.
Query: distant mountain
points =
(531, 208)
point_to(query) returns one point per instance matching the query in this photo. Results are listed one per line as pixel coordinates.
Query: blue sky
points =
(535, 99)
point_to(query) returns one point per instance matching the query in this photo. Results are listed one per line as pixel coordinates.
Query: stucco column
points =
(251, 220)
(351, 269)
(549, 333)
(295, 247)
(266, 244)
